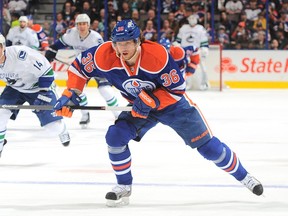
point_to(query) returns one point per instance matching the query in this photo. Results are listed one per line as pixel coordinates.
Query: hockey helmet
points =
(125, 30)
(23, 18)
(192, 19)
(2, 40)
(166, 43)
(82, 18)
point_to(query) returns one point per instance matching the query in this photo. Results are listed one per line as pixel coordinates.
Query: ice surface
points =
(38, 176)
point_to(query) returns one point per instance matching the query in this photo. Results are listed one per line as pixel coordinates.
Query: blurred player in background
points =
(148, 77)
(177, 53)
(81, 38)
(41, 35)
(194, 38)
(22, 35)
(29, 78)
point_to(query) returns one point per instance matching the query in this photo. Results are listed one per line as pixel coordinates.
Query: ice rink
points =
(38, 176)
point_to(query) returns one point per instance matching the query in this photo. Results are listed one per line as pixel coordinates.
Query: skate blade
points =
(117, 203)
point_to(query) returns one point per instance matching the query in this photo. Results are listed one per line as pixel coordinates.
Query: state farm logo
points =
(227, 66)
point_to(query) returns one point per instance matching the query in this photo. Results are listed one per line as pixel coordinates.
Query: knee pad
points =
(120, 134)
(212, 150)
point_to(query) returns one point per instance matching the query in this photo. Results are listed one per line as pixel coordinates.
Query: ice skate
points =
(85, 120)
(5, 141)
(119, 196)
(253, 184)
(65, 138)
(204, 86)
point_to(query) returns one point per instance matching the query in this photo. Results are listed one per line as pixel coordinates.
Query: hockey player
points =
(22, 35)
(41, 35)
(177, 53)
(81, 38)
(195, 36)
(151, 81)
(29, 78)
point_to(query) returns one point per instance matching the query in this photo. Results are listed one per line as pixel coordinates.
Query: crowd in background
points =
(238, 24)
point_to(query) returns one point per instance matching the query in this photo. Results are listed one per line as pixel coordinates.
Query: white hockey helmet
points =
(23, 18)
(83, 18)
(2, 40)
(192, 19)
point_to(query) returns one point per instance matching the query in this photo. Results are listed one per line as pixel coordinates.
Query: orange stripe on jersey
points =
(154, 57)
(177, 53)
(105, 57)
(125, 166)
(75, 82)
(164, 98)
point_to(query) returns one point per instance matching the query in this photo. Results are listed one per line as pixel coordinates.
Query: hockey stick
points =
(49, 107)
(65, 63)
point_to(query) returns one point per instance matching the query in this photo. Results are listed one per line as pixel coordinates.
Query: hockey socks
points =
(117, 137)
(223, 157)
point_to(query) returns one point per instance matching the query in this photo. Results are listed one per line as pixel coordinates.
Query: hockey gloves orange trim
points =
(143, 104)
(68, 98)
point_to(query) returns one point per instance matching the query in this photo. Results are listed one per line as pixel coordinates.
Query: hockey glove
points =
(50, 54)
(143, 104)
(43, 98)
(68, 98)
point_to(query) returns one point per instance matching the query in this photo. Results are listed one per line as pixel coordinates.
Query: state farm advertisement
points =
(255, 65)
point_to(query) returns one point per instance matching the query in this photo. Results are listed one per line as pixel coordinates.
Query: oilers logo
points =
(134, 86)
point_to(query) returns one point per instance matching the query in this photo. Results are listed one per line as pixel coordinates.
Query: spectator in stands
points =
(15, 19)
(61, 25)
(172, 21)
(284, 6)
(166, 31)
(260, 42)
(6, 23)
(224, 21)
(67, 12)
(221, 5)
(87, 9)
(125, 10)
(180, 13)
(136, 19)
(48, 29)
(260, 20)
(102, 20)
(17, 6)
(241, 35)
(253, 10)
(149, 32)
(234, 7)
(95, 26)
(112, 12)
(167, 6)
(152, 16)
(282, 22)
(223, 37)
(274, 45)
(248, 23)
(143, 6)
(283, 41)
